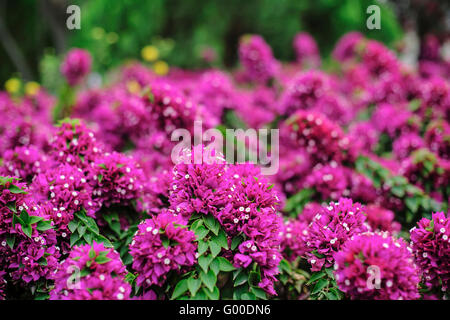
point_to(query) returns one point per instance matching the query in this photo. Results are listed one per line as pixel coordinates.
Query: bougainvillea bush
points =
(93, 204)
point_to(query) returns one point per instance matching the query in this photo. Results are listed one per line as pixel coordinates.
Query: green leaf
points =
(73, 225)
(204, 262)
(27, 230)
(201, 232)
(211, 223)
(248, 296)
(285, 266)
(104, 240)
(202, 247)
(259, 293)
(10, 240)
(316, 276)
(180, 289)
(35, 219)
(225, 265)
(12, 206)
(165, 241)
(44, 225)
(81, 230)
(193, 285)
(236, 241)
(209, 279)
(221, 239)
(322, 283)
(88, 238)
(254, 278)
(102, 259)
(92, 253)
(412, 204)
(241, 279)
(215, 248)
(74, 237)
(213, 295)
(15, 189)
(25, 217)
(214, 266)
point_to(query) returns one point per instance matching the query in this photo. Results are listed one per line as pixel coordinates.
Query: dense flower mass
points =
(431, 246)
(257, 58)
(91, 272)
(376, 267)
(162, 244)
(329, 230)
(76, 66)
(28, 250)
(141, 159)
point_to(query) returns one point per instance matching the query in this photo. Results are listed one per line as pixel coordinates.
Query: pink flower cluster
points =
(162, 244)
(431, 246)
(376, 267)
(76, 65)
(91, 272)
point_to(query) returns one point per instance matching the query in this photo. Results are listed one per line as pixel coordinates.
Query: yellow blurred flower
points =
(133, 86)
(161, 68)
(32, 88)
(112, 37)
(150, 53)
(98, 33)
(12, 85)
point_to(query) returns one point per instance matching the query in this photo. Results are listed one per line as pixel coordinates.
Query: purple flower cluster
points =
(376, 266)
(304, 92)
(91, 272)
(24, 162)
(321, 138)
(330, 229)
(431, 246)
(28, 250)
(162, 244)
(257, 59)
(306, 50)
(76, 65)
(115, 179)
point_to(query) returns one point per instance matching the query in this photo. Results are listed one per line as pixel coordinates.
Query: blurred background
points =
(196, 33)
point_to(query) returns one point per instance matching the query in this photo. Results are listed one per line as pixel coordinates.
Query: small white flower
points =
(247, 209)
(425, 254)
(155, 231)
(64, 235)
(385, 245)
(313, 261)
(102, 277)
(236, 220)
(241, 209)
(166, 261)
(149, 229)
(62, 177)
(120, 296)
(389, 283)
(347, 282)
(442, 230)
